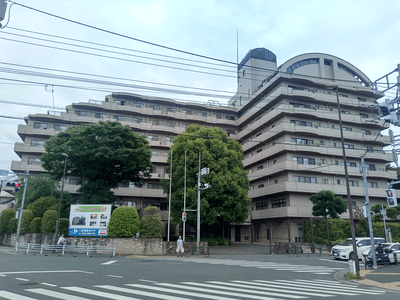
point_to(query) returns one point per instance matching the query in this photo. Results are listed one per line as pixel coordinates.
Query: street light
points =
(61, 196)
(346, 174)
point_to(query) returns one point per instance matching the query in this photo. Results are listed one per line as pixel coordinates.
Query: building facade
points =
(286, 119)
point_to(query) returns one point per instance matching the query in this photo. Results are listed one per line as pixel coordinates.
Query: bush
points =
(151, 223)
(6, 216)
(27, 217)
(63, 226)
(13, 226)
(40, 206)
(49, 222)
(124, 222)
(36, 225)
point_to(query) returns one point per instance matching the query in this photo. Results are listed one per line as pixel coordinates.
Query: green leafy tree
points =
(27, 217)
(13, 225)
(63, 227)
(36, 225)
(6, 216)
(40, 186)
(49, 221)
(151, 223)
(106, 152)
(376, 211)
(393, 212)
(124, 222)
(40, 206)
(227, 199)
(327, 204)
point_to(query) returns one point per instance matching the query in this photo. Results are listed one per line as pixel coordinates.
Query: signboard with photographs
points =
(89, 220)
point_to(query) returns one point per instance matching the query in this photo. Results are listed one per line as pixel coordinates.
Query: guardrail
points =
(40, 248)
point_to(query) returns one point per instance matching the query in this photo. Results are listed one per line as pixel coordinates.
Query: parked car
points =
(345, 249)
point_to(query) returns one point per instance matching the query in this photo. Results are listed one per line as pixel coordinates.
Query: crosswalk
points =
(320, 270)
(216, 290)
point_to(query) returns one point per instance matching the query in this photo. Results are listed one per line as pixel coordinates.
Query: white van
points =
(345, 249)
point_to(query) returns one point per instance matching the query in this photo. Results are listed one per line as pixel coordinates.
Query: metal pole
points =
(384, 223)
(21, 208)
(61, 196)
(346, 174)
(169, 201)
(368, 208)
(184, 201)
(198, 205)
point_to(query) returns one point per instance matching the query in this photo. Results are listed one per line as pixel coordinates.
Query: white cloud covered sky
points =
(362, 32)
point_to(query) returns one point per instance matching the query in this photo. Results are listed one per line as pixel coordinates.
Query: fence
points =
(41, 248)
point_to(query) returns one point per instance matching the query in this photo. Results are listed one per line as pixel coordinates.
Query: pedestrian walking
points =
(179, 247)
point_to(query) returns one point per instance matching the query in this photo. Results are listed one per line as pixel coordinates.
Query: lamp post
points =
(61, 196)
(346, 174)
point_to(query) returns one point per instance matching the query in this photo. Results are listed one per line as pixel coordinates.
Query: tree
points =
(40, 206)
(49, 221)
(326, 203)
(36, 225)
(107, 153)
(27, 217)
(124, 222)
(151, 223)
(6, 216)
(227, 199)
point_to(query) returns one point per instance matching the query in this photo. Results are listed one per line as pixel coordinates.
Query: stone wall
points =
(291, 248)
(124, 246)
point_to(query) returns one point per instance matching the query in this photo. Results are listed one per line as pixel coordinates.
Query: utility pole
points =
(368, 208)
(169, 201)
(21, 210)
(198, 205)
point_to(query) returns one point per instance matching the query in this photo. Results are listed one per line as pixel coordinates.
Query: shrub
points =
(151, 223)
(36, 225)
(63, 226)
(124, 222)
(13, 226)
(40, 206)
(6, 216)
(27, 217)
(49, 222)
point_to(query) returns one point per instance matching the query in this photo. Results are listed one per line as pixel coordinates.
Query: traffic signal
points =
(16, 189)
(184, 216)
(391, 197)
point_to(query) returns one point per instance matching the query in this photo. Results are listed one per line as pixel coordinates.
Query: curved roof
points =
(343, 69)
(259, 53)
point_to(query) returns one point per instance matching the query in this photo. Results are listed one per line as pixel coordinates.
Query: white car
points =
(391, 250)
(345, 249)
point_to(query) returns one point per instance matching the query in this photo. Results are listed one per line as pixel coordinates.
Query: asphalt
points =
(383, 277)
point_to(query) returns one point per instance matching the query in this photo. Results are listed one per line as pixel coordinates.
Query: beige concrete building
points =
(287, 121)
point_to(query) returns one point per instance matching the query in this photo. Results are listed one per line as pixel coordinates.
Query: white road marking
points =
(110, 262)
(22, 279)
(35, 272)
(12, 296)
(144, 280)
(97, 293)
(49, 284)
(137, 292)
(115, 276)
(334, 261)
(56, 295)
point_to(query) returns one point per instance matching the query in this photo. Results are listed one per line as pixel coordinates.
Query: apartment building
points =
(287, 121)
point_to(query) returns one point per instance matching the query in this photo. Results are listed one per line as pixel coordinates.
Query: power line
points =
(30, 104)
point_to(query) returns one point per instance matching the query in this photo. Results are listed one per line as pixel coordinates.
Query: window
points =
(170, 124)
(34, 161)
(304, 160)
(258, 134)
(333, 126)
(118, 118)
(353, 182)
(346, 112)
(371, 167)
(372, 184)
(302, 141)
(166, 154)
(336, 162)
(230, 118)
(259, 150)
(154, 153)
(334, 144)
(37, 143)
(218, 116)
(40, 125)
(169, 139)
(338, 181)
(351, 164)
(119, 102)
(139, 105)
(81, 113)
(305, 179)
(188, 112)
(262, 205)
(365, 132)
(368, 149)
(171, 109)
(362, 99)
(100, 115)
(348, 146)
(301, 123)
(279, 203)
(276, 181)
(299, 105)
(154, 107)
(60, 127)
(244, 71)
(137, 120)
(364, 116)
(202, 114)
(153, 137)
(152, 186)
(154, 122)
(347, 129)
(261, 185)
(260, 167)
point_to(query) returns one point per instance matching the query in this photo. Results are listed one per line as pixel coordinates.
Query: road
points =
(219, 277)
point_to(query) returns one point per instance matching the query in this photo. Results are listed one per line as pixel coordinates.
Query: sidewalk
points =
(384, 277)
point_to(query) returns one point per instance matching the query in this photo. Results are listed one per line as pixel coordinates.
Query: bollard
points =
(41, 249)
(27, 249)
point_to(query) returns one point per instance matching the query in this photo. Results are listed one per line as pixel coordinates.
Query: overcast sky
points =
(364, 33)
